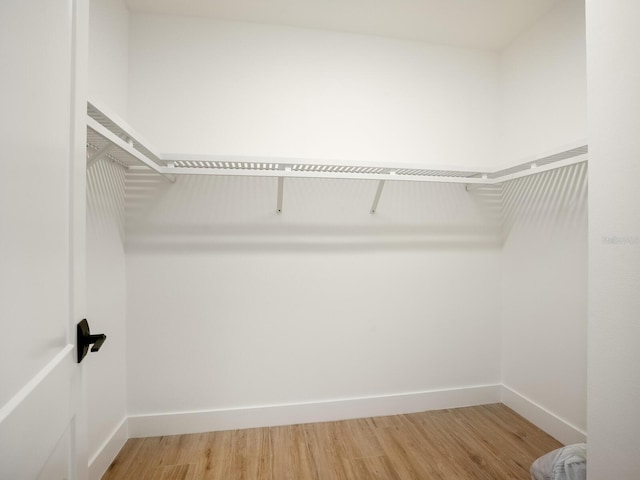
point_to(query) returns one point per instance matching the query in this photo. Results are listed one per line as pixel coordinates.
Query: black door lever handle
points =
(85, 339)
(97, 341)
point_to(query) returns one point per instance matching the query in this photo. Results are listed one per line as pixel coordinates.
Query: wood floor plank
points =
(403, 449)
(436, 444)
(374, 468)
(358, 438)
(489, 442)
(328, 452)
(125, 460)
(292, 459)
(217, 456)
(171, 472)
(251, 455)
(514, 441)
(192, 448)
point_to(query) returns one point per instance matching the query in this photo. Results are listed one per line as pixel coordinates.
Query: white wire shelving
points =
(110, 136)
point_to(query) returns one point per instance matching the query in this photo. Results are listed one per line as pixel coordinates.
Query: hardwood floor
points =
(487, 442)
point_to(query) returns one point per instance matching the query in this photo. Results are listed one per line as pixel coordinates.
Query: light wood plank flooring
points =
(487, 442)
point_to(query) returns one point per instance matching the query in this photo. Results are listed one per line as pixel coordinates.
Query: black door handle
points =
(85, 339)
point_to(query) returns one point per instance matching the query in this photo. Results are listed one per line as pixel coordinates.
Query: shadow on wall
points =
(550, 203)
(106, 199)
(200, 213)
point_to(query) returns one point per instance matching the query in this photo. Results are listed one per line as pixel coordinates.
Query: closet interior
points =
(258, 277)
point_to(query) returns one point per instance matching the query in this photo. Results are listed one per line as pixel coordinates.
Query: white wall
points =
(106, 309)
(230, 88)
(544, 300)
(543, 87)
(408, 300)
(231, 305)
(106, 279)
(109, 54)
(208, 87)
(614, 239)
(544, 258)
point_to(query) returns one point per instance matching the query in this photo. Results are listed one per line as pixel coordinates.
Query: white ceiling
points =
(484, 24)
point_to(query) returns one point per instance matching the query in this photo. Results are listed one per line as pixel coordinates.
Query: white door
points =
(42, 143)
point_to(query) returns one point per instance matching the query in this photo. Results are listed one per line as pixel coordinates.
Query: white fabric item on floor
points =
(566, 463)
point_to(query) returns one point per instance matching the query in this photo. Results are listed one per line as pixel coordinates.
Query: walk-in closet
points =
(319, 240)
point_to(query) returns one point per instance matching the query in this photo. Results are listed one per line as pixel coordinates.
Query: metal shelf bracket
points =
(280, 193)
(376, 199)
(93, 159)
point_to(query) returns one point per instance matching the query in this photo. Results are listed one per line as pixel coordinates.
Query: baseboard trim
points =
(173, 423)
(557, 427)
(107, 452)
(323, 411)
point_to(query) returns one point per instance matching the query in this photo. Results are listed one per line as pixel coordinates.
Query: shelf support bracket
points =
(93, 159)
(376, 199)
(280, 193)
(475, 186)
(127, 147)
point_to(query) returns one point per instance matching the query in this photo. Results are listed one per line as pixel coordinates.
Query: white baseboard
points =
(332, 410)
(273, 415)
(101, 460)
(558, 428)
